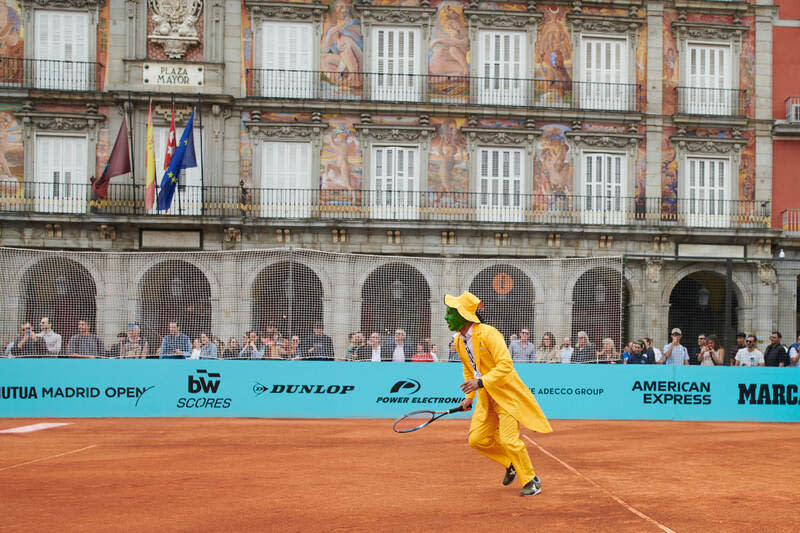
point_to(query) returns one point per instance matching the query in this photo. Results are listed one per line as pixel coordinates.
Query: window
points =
(708, 79)
(188, 197)
(396, 64)
(61, 181)
(500, 175)
(605, 75)
(396, 182)
(604, 187)
(501, 68)
(706, 202)
(286, 189)
(62, 51)
(287, 65)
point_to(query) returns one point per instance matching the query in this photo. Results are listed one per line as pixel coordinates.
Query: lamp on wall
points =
(176, 287)
(599, 293)
(703, 296)
(62, 286)
(397, 289)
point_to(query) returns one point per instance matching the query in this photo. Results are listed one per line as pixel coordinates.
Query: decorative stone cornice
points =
(182, 112)
(735, 8)
(712, 145)
(404, 133)
(51, 121)
(370, 14)
(605, 24)
(485, 18)
(605, 140)
(64, 4)
(501, 136)
(284, 130)
(174, 25)
(260, 9)
(708, 32)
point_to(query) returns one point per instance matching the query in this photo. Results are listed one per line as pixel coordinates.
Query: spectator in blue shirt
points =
(675, 353)
(637, 355)
(176, 345)
(208, 349)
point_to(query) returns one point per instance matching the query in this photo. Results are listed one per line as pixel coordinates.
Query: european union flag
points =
(182, 158)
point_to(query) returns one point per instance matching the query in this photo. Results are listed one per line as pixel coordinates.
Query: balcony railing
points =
(460, 90)
(711, 102)
(790, 222)
(793, 109)
(50, 74)
(227, 202)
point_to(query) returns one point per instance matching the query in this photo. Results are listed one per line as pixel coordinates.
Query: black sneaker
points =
(532, 488)
(510, 475)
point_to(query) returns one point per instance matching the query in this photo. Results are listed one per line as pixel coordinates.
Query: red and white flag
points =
(171, 142)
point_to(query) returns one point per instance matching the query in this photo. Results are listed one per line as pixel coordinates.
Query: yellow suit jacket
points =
(500, 380)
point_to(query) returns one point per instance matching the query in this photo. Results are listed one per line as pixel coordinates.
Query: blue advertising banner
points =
(313, 389)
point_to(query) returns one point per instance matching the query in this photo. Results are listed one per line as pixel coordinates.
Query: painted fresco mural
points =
(669, 176)
(103, 143)
(342, 50)
(247, 47)
(670, 64)
(552, 164)
(449, 53)
(102, 43)
(448, 169)
(245, 152)
(553, 58)
(747, 67)
(11, 41)
(341, 162)
(747, 169)
(12, 153)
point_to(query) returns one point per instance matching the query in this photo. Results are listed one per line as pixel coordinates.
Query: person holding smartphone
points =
(28, 344)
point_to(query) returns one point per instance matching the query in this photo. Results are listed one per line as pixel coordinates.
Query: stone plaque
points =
(173, 74)
(171, 239)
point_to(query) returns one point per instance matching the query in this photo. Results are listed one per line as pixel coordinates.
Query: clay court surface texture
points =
(358, 475)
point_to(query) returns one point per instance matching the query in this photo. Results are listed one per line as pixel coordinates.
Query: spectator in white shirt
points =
(50, 337)
(401, 351)
(566, 351)
(675, 353)
(372, 351)
(794, 353)
(750, 355)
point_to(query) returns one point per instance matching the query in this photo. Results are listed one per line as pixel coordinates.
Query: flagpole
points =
(131, 150)
(202, 164)
(180, 211)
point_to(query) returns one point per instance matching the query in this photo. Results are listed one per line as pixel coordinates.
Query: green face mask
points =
(454, 321)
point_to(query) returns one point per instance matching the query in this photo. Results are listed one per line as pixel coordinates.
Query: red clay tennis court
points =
(358, 475)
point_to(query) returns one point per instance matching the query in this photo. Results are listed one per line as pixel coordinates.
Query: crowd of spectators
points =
(377, 347)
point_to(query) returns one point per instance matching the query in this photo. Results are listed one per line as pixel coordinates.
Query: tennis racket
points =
(419, 419)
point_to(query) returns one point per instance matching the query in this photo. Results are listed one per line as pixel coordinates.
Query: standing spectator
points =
(208, 349)
(319, 346)
(775, 354)
(293, 351)
(116, 349)
(584, 351)
(373, 351)
(712, 353)
(356, 342)
(175, 345)
(637, 355)
(750, 355)
(435, 352)
(627, 352)
(794, 353)
(85, 343)
(195, 349)
(730, 355)
(220, 345)
(350, 351)
(399, 349)
(674, 352)
(232, 349)
(276, 349)
(252, 347)
(245, 197)
(523, 350)
(608, 355)
(50, 337)
(694, 358)
(566, 351)
(548, 352)
(452, 354)
(136, 345)
(512, 338)
(654, 355)
(422, 355)
(27, 344)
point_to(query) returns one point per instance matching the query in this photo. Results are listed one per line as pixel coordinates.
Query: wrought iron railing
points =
(711, 102)
(793, 109)
(50, 74)
(478, 207)
(423, 88)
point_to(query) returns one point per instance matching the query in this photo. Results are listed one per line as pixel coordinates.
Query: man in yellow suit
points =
(503, 399)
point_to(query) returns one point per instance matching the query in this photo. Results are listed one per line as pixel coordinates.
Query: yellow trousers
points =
(497, 437)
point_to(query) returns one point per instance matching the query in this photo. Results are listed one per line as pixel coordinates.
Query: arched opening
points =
(62, 290)
(396, 296)
(174, 291)
(597, 306)
(507, 294)
(287, 296)
(697, 305)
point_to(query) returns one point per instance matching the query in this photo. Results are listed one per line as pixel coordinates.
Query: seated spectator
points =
(750, 355)
(608, 355)
(293, 351)
(28, 344)
(654, 355)
(116, 349)
(208, 349)
(318, 346)
(356, 342)
(434, 352)
(637, 356)
(50, 337)
(136, 345)
(399, 349)
(195, 354)
(232, 349)
(775, 354)
(276, 348)
(566, 351)
(452, 353)
(794, 353)
(175, 345)
(584, 351)
(523, 350)
(711, 354)
(421, 355)
(252, 347)
(373, 351)
(548, 352)
(85, 343)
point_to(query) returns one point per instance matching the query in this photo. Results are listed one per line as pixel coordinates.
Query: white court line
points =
(613, 496)
(48, 457)
(35, 427)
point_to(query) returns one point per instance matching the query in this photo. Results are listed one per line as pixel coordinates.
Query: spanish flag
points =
(150, 181)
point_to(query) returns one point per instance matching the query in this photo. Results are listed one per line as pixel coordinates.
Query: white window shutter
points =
(395, 59)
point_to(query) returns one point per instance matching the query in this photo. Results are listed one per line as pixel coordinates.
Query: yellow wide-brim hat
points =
(466, 304)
